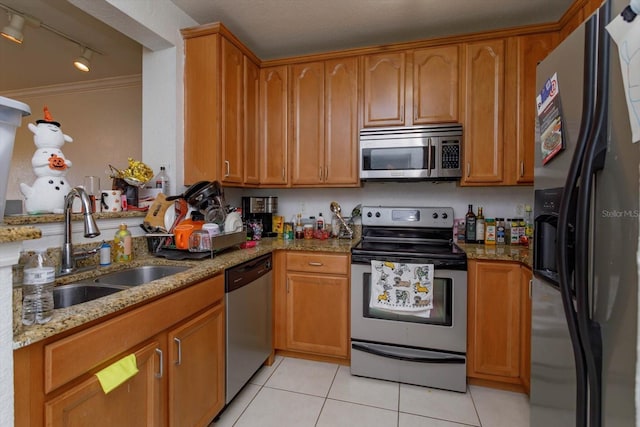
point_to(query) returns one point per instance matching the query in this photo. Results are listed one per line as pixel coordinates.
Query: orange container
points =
(182, 232)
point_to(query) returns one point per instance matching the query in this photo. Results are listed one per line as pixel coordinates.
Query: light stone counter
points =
(17, 234)
(71, 317)
(514, 253)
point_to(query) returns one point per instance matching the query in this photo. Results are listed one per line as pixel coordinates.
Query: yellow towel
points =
(117, 373)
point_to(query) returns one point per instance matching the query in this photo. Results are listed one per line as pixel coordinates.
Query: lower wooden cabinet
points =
(178, 341)
(498, 324)
(312, 303)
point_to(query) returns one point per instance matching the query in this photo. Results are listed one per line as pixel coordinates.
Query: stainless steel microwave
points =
(432, 152)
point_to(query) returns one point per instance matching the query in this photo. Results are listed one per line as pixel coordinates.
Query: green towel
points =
(117, 373)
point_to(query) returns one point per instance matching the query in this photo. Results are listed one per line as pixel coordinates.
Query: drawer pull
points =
(179, 343)
(315, 264)
(160, 355)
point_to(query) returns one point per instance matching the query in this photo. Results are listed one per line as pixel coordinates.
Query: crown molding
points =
(77, 87)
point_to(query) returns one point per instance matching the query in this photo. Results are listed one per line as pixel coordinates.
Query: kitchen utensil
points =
(233, 222)
(200, 241)
(190, 191)
(156, 214)
(111, 200)
(335, 208)
(212, 228)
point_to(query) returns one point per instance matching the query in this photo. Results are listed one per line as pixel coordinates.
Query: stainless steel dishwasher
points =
(248, 307)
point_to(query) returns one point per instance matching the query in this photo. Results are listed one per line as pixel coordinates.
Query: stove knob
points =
(377, 214)
(434, 215)
(444, 215)
(369, 214)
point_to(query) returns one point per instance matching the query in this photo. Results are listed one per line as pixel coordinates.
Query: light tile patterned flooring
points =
(301, 393)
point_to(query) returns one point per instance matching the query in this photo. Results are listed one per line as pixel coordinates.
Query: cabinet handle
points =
(521, 169)
(287, 285)
(283, 174)
(530, 288)
(326, 173)
(468, 169)
(160, 355)
(320, 172)
(228, 167)
(315, 264)
(179, 343)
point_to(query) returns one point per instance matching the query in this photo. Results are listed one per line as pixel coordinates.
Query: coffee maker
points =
(260, 208)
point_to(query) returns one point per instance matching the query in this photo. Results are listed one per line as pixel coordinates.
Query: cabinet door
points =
(483, 111)
(251, 122)
(307, 135)
(435, 85)
(196, 369)
(341, 115)
(273, 122)
(232, 147)
(317, 314)
(201, 109)
(384, 89)
(525, 326)
(531, 50)
(136, 402)
(493, 325)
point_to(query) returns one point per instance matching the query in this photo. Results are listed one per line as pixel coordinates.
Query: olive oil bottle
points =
(470, 226)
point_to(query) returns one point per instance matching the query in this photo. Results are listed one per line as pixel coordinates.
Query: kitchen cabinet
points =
(526, 277)
(384, 89)
(312, 304)
(251, 122)
(55, 383)
(273, 126)
(196, 365)
(434, 76)
(324, 115)
(483, 106)
(531, 50)
(216, 113)
(497, 324)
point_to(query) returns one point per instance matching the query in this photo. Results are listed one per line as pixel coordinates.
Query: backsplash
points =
(496, 201)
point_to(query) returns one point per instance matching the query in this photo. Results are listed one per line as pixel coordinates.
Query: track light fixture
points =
(13, 32)
(82, 62)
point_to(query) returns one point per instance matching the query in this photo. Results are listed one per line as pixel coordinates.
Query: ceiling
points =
(270, 28)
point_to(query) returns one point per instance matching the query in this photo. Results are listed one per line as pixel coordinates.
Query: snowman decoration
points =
(47, 193)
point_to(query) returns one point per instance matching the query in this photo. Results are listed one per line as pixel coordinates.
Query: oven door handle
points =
(449, 359)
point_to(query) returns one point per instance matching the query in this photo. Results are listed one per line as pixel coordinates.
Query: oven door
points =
(445, 329)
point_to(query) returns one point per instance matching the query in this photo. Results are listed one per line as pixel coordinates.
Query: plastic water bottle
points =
(37, 289)
(162, 181)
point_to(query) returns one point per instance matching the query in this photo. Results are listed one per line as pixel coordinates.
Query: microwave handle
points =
(429, 157)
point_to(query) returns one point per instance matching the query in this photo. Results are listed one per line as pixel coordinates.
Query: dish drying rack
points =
(162, 245)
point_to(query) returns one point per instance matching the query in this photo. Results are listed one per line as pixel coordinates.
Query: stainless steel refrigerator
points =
(586, 208)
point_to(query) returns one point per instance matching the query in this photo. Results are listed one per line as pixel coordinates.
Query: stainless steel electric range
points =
(409, 298)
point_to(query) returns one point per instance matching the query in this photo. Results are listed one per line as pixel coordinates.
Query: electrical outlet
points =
(301, 208)
(520, 210)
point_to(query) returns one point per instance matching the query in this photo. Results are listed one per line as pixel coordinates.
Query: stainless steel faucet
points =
(69, 257)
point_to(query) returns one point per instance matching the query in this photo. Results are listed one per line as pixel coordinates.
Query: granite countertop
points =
(521, 254)
(26, 219)
(68, 318)
(17, 234)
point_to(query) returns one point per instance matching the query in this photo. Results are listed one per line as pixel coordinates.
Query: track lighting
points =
(82, 62)
(13, 31)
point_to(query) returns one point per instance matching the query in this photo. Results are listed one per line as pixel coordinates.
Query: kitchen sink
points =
(77, 293)
(110, 283)
(138, 275)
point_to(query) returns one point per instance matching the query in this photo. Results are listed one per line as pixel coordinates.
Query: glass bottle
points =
(122, 243)
(470, 226)
(480, 226)
(299, 230)
(320, 222)
(528, 223)
(37, 289)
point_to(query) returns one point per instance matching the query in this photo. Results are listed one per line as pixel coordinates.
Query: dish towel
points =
(117, 373)
(402, 288)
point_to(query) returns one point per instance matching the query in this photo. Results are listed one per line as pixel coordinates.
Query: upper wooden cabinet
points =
(531, 50)
(273, 125)
(251, 122)
(483, 105)
(434, 75)
(384, 89)
(324, 116)
(215, 105)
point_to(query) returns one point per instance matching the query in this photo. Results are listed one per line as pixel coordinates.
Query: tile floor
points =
(296, 392)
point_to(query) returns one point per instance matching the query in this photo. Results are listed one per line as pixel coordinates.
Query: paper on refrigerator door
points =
(627, 37)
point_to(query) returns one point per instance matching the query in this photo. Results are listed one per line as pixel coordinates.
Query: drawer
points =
(77, 354)
(318, 262)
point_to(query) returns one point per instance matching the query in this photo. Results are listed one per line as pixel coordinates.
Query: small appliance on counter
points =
(263, 209)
